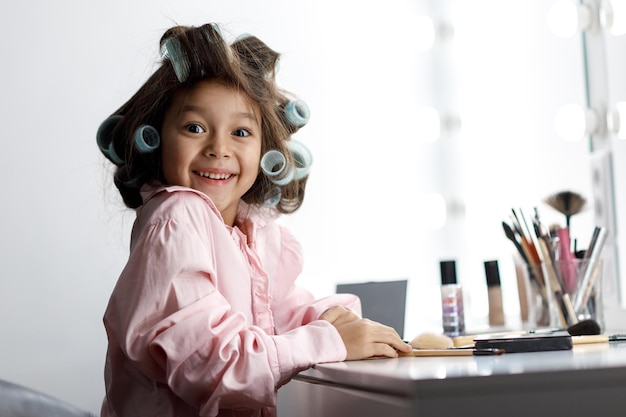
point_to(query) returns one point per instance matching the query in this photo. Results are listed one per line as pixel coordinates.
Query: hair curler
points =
(277, 65)
(105, 141)
(113, 156)
(297, 112)
(217, 28)
(302, 156)
(172, 51)
(146, 139)
(274, 197)
(242, 36)
(274, 165)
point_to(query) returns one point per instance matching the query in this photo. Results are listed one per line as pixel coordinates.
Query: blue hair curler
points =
(277, 66)
(274, 165)
(105, 141)
(241, 37)
(286, 179)
(303, 157)
(146, 139)
(113, 156)
(172, 51)
(217, 28)
(297, 112)
(134, 182)
(271, 74)
(274, 198)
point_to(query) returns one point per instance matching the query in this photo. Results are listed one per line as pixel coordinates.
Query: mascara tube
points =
(452, 314)
(494, 293)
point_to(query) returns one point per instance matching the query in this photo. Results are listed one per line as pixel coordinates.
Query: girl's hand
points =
(339, 315)
(364, 338)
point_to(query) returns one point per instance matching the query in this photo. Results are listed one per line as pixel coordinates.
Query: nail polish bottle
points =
(494, 293)
(453, 319)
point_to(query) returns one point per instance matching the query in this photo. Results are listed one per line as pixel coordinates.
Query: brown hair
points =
(248, 65)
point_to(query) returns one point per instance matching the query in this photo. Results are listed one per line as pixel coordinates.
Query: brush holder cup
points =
(563, 292)
(539, 311)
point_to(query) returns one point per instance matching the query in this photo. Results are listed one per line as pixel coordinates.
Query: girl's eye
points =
(241, 133)
(195, 128)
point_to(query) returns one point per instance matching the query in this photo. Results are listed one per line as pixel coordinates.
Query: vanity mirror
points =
(445, 154)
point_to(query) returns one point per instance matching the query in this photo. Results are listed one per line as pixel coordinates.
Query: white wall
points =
(64, 232)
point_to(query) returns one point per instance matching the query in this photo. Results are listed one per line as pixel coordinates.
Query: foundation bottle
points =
(494, 293)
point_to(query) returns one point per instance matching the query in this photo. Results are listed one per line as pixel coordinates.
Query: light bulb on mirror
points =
(567, 17)
(428, 124)
(573, 122)
(424, 31)
(431, 124)
(616, 120)
(613, 17)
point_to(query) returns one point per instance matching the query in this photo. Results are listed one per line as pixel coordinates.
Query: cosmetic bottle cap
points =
(493, 274)
(448, 272)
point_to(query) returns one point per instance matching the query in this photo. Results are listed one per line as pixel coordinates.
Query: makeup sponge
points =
(429, 340)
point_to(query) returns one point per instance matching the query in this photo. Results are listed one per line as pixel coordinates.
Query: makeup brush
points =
(598, 338)
(510, 234)
(588, 331)
(588, 327)
(568, 203)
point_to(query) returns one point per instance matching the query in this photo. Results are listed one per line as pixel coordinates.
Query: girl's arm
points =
(173, 327)
(362, 338)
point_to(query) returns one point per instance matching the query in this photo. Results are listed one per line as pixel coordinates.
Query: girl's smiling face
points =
(211, 142)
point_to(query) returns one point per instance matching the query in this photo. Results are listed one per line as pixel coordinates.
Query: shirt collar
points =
(249, 217)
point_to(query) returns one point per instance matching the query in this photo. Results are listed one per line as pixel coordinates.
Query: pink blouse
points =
(206, 319)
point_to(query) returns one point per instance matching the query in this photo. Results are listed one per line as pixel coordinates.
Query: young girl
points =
(205, 318)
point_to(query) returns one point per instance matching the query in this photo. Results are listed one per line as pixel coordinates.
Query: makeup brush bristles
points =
(430, 340)
(584, 328)
(568, 203)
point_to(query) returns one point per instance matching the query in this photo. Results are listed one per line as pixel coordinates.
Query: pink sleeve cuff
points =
(303, 347)
(315, 310)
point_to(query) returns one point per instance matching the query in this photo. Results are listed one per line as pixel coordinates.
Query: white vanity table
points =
(589, 380)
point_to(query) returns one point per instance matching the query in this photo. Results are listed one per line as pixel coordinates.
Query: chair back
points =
(20, 401)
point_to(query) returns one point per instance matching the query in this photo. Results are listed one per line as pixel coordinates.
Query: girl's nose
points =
(217, 147)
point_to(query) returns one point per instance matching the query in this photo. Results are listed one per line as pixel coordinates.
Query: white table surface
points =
(602, 363)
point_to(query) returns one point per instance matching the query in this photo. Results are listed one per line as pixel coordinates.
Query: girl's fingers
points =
(385, 350)
(392, 339)
(365, 338)
(401, 346)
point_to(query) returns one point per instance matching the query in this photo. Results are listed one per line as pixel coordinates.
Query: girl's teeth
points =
(214, 176)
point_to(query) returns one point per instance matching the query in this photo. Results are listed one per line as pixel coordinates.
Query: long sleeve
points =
(182, 335)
